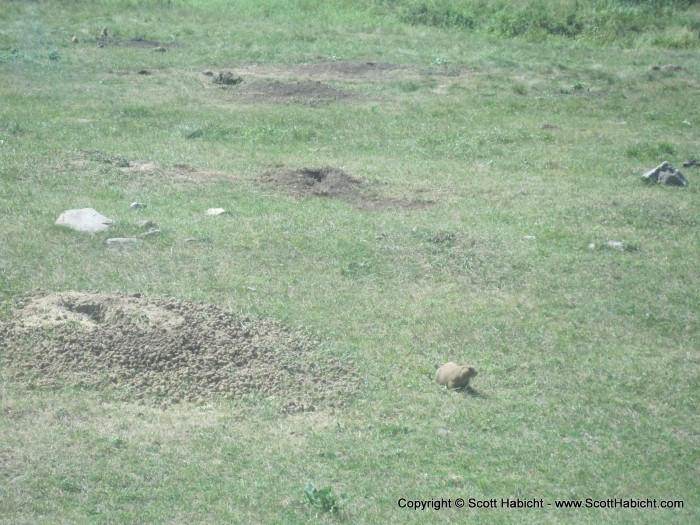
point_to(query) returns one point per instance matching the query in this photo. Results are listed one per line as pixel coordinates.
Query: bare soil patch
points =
(140, 42)
(161, 352)
(351, 69)
(178, 172)
(378, 71)
(334, 183)
(306, 92)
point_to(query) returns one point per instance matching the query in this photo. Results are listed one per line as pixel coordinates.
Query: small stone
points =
(591, 246)
(159, 49)
(74, 40)
(443, 432)
(150, 233)
(208, 73)
(147, 225)
(122, 241)
(664, 173)
(190, 239)
(84, 219)
(530, 238)
(690, 163)
(137, 205)
(214, 211)
(616, 245)
(456, 479)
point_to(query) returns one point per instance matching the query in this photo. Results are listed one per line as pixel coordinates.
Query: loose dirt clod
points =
(227, 78)
(160, 352)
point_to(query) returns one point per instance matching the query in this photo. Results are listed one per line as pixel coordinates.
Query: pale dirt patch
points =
(316, 84)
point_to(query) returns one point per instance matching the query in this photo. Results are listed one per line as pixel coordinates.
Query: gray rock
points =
(122, 241)
(84, 220)
(616, 245)
(664, 173)
(149, 225)
(137, 205)
(150, 233)
(214, 211)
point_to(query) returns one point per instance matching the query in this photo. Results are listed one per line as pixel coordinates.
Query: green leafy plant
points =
(323, 499)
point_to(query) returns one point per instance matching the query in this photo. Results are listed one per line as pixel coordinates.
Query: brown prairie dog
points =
(455, 376)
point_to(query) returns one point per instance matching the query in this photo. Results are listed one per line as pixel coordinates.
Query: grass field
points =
(498, 141)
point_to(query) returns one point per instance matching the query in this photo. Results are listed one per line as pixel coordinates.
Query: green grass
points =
(588, 359)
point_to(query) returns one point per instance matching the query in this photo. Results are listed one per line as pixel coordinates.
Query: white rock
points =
(591, 246)
(84, 220)
(616, 245)
(150, 232)
(214, 211)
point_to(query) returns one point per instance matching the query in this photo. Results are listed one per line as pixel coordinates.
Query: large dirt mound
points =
(159, 351)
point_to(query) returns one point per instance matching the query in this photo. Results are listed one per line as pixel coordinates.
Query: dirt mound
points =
(324, 182)
(160, 352)
(334, 183)
(306, 92)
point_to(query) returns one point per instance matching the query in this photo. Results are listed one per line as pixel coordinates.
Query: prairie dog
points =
(455, 376)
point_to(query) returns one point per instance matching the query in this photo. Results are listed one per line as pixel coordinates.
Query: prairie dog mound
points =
(164, 351)
(455, 376)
